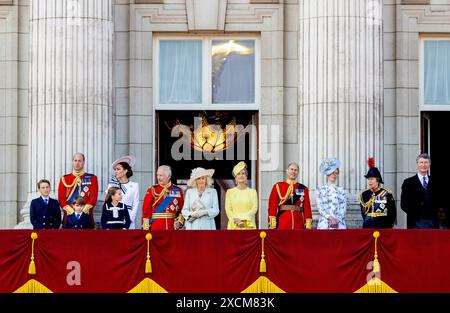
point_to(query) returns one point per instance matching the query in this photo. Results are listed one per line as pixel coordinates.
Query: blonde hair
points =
(110, 193)
(209, 181)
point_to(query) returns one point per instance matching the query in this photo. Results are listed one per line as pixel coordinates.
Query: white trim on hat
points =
(197, 173)
(130, 159)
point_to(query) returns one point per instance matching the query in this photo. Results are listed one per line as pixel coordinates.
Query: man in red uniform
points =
(289, 205)
(78, 183)
(163, 203)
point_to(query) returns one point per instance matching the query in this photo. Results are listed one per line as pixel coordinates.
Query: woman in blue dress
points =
(331, 199)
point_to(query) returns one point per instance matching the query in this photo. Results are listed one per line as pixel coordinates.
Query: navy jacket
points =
(413, 200)
(121, 221)
(83, 223)
(44, 216)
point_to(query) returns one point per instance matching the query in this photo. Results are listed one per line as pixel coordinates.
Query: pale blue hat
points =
(329, 165)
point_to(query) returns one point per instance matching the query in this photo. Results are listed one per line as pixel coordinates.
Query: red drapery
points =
(227, 261)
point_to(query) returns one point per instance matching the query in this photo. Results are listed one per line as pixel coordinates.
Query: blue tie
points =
(46, 201)
(425, 184)
(78, 216)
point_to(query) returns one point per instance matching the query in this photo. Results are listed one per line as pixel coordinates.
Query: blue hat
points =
(329, 165)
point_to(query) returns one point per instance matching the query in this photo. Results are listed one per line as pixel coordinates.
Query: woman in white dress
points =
(130, 190)
(331, 199)
(201, 204)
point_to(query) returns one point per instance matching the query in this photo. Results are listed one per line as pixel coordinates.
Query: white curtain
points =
(437, 72)
(233, 71)
(180, 71)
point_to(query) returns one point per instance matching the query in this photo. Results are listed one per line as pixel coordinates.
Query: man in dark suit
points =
(44, 211)
(417, 199)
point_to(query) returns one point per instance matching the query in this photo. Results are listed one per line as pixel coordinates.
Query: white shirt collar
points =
(43, 198)
(421, 177)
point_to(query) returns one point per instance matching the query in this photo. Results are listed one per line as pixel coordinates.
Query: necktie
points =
(46, 201)
(78, 216)
(425, 184)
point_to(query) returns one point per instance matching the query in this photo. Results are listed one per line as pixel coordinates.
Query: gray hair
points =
(293, 163)
(425, 156)
(167, 169)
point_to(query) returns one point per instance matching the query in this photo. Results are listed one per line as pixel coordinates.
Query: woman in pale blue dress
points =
(201, 204)
(331, 199)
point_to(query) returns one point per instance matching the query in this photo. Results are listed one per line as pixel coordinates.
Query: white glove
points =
(195, 214)
(202, 213)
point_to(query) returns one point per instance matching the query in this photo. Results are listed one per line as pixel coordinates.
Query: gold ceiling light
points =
(212, 138)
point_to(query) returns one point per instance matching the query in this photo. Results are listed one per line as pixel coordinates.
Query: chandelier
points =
(211, 138)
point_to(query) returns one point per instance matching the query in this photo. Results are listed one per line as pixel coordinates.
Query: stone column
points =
(340, 89)
(70, 92)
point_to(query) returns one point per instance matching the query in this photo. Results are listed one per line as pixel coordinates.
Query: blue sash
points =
(165, 203)
(86, 180)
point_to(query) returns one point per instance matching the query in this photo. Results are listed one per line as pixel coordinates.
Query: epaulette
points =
(388, 191)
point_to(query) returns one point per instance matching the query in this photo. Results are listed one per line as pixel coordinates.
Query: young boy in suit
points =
(45, 212)
(78, 219)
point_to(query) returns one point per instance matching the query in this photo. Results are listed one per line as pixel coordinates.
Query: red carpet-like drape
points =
(227, 261)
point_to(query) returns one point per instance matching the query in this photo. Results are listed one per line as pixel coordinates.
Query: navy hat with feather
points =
(373, 171)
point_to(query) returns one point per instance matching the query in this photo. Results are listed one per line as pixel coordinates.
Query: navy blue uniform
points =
(45, 216)
(378, 208)
(84, 222)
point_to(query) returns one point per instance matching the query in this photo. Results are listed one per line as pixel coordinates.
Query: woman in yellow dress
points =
(241, 202)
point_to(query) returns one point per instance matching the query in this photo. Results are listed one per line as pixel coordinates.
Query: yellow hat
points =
(239, 167)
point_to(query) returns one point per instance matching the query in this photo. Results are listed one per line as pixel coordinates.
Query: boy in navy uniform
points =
(45, 212)
(79, 219)
(377, 204)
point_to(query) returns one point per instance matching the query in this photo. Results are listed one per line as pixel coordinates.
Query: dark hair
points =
(127, 167)
(79, 200)
(42, 181)
(111, 192)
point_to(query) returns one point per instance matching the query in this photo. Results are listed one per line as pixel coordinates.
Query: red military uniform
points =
(162, 205)
(78, 184)
(289, 206)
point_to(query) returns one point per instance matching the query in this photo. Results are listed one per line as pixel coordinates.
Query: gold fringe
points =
(263, 285)
(148, 264)
(33, 286)
(262, 264)
(32, 266)
(375, 285)
(148, 285)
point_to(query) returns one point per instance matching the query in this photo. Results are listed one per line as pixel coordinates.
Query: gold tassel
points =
(376, 264)
(375, 284)
(148, 264)
(262, 264)
(32, 267)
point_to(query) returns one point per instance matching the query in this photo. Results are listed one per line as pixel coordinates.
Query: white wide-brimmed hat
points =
(197, 173)
(130, 159)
